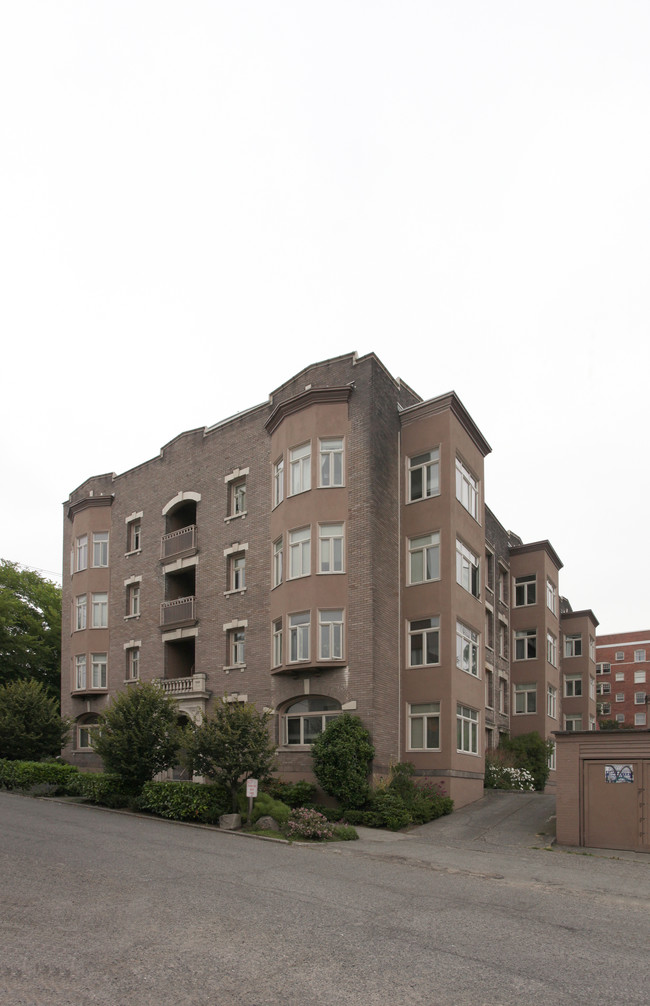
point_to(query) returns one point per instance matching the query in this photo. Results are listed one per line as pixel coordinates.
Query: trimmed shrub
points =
(294, 794)
(342, 756)
(185, 801)
(264, 805)
(345, 833)
(305, 823)
(25, 775)
(103, 788)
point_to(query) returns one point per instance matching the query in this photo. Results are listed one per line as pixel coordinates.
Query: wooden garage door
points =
(615, 807)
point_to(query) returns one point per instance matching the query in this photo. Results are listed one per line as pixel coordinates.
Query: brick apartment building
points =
(623, 673)
(327, 550)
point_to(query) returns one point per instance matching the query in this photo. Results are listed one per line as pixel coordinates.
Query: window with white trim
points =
(331, 462)
(525, 644)
(466, 488)
(551, 649)
(619, 697)
(237, 498)
(306, 719)
(619, 655)
(330, 548)
(278, 562)
(80, 672)
(572, 685)
(85, 730)
(503, 639)
(81, 553)
(424, 558)
(573, 645)
(424, 475)
(467, 568)
(551, 596)
(330, 634)
(100, 611)
(551, 756)
(639, 698)
(526, 698)
(466, 729)
(299, 553)
(639, 677)
(639, 655)
(573, 722)
(551, 702)
(133, 663)
(277, 643)
(603, 688)
(99, 666)
(278, 482)
(134, 536)
(237, 646)
(592, 687)
(423, 726)
(620, 717)
(80, 609)
(503, 695)
(603, 668)
(620, 676)
(299, 636)
(100, 548)
(467, 649)
(640, 719)
(133, 600)
(424, 641)
(300, 469)
(525, 591)
(237, 571)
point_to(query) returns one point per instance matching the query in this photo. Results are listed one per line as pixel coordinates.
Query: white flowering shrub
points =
(498, 776)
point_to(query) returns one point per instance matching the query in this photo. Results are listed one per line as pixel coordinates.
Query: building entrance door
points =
(615, 804)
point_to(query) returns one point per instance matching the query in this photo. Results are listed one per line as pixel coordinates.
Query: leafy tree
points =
(30, 725)
(30, 628)
(342, 756)
(231, 745)
(138, 735)
(531, 752)
(610, 725)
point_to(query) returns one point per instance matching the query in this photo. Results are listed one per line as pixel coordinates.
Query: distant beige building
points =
(327, 550)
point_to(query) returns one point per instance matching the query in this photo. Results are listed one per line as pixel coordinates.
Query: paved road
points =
(105, 908)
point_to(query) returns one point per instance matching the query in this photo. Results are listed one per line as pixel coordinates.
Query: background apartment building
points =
(623, 672)
(328, 550)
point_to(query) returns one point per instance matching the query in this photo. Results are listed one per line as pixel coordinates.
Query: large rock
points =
(267, 823)
(230, 822)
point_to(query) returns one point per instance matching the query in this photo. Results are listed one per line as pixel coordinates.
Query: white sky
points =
(194, 191)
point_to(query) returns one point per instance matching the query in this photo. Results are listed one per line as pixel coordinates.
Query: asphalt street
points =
(98, 907)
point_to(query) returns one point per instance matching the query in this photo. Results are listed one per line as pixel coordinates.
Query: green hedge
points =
(294, 794)
(103, 788)
(25, 775)
(185, 801)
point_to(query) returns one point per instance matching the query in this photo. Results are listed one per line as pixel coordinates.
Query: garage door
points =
(615, 804)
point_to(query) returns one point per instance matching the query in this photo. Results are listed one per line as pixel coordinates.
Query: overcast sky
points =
(199, 199)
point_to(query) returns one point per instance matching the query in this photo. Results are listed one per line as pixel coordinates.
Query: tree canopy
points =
(30, 726)
(30, 628)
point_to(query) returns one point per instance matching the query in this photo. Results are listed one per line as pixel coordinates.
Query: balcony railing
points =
(178, 541)
(180, 610)
(178, 687)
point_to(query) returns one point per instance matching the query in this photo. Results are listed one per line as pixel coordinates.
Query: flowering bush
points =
(498, 776)
(305, 823)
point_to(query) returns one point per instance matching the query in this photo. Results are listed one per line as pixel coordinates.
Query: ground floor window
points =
(466, 729)
(305, 719)
(85, 729)
(424, 726)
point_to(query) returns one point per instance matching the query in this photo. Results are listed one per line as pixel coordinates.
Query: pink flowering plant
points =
(306, 823)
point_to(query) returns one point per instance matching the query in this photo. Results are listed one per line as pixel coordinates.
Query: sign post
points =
(251, 793)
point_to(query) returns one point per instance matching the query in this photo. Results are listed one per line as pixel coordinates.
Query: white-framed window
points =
(551, 757)
(100, 548)
(592, 687)
(639, 677)
(80, 671)
(573, 645)
(81, 550)
(551, 649)
(551, 596)
(592, 648)
(551, 702)
(424, 726)
(100, 611)
(466, 488)
(525, 644)
(639, 719)
(278, 562)
(306, 719)
(299, 636)
(592, 721)
(424, 475)
(525, 591)
(133, 663)
(603, 668)
(620, 676)
(639, 655)
(573, 722)
(467, 569)
(134, 536)
(299, 553)
(278, 481)
(639, 698)
(424, 558)
(619, 697)
(467, 649)
(80, 609)
(331, 462)
(603, 688)
(299, 469)
(572, 685)
(620, 717)
(277, 643)
(330, 634)
(330, 548)
(238, 571)
(99, 664)
(85, 732)
(424, 641)
(619, 655)
(237, 498)
(526, 698)
(237, 643)
(133, 599)
(466, 729)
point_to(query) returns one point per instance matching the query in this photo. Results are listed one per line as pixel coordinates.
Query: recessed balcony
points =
(181, 542)
(181, 611)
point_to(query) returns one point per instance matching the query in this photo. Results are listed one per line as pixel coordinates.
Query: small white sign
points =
(251, 788)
